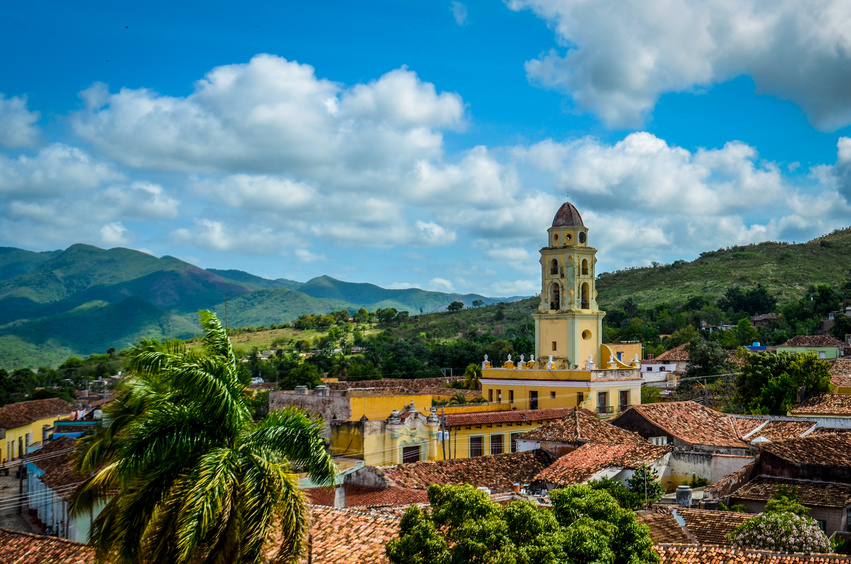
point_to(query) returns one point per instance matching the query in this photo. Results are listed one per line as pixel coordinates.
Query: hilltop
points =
(85, 300)
(784, 269)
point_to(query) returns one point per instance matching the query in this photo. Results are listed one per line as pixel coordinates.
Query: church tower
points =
(568, 324)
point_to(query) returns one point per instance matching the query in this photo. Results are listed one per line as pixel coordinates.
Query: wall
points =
(775, 466)
(12, 435)
(829, 352)
(713, 467)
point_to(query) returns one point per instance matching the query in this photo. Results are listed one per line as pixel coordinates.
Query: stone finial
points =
(485, 362)
(612, 364)
(550, 363)
(635, 362)
(522, 361)
(509, 357)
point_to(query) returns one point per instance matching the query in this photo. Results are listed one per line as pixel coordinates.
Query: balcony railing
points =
(603, 409)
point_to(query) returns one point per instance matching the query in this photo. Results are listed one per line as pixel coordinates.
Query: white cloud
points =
(273, 115)
(619, 56)
(459, 12)
(441, 285)
(430, 234)
(115, 234)
(307, 257)
(56, 169)
(215, 235)
(17, 124)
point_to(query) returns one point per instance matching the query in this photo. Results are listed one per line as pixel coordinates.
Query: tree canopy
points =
(464, 526)
(775, 383)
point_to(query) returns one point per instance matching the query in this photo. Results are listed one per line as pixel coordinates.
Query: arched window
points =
(555, 296)
(584, 267)
(585, 293)
(554, 267)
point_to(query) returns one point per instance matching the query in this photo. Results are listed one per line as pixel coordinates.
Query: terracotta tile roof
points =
(730, 483)
(826, 404)
(664, 528)
(497, 472)
(26, 412)
(344, 536)
(690, 422)
(582, 426)
(676, 354)
(823, 494)
(745, 425)
(364, 496)
(812, 341)
(818, 431)
(55, 459)
(25, 548)
(701, 554)
(781, 430)
(840, 372)
(513, 416)
(582, 464)
(826, 450)
(711, 527)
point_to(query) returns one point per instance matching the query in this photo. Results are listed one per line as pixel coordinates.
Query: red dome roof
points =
(568, 216)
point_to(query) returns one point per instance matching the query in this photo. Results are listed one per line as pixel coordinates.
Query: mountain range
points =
(85, 300)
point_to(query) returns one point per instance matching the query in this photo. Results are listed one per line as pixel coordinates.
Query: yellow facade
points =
(16, 439)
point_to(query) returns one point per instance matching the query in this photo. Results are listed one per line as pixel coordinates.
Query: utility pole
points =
(21, 473)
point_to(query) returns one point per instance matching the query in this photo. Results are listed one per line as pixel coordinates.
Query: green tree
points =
(841, 326)
(645, 482)
(774, 383)
(706, 358)
(472, 375)
(455, 306)
(188, 476)
(787, 500)
(465, 526)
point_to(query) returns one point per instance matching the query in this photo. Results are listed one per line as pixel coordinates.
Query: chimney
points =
(340, 497)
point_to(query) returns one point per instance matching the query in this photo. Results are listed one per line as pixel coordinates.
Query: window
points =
(659, 441)
(585, 296)
(497, 444)
(584, 267)
(624, 400)
(620, 356)
(410, 454)
(510, 396)
(514, 437)
(490, 395)
(580, 397)
(603, 403)
(533, 400)
(552, 395)
(822, 525)
(554, 346)
(499, 396)
(581, 236)
(477, 446)
(822, 354)
(554, 267)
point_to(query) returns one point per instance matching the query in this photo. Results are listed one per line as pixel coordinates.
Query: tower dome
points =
(568, 216)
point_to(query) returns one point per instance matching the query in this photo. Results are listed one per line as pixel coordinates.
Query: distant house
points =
(50, 481)
(824, 346)
(832, 411)
(660, 373)
(763, 319)
(574, 430)
(594, 461)
(840, 375)
(28, 422)
(678, 356)
(818, 465)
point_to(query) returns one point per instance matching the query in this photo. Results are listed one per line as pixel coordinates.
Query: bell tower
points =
(568, 323)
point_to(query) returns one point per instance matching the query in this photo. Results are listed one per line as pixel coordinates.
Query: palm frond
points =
(296, 437)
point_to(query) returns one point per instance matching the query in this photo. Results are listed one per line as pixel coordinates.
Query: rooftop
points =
(54, 458)
(581, 426)
(812, 341)
(568, 216)
(580, 465)
(701, 554)
(497, 472)
(824, 450)
(779, 430)
(26, 548)
(700, 526)
(676, 354)
(510, 416)
(822, 494)
(826, 404)
(364, 496)
(840, 372)
(689, 422)
(25, 412)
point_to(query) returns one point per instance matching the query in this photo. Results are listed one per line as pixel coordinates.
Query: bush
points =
(781, 532)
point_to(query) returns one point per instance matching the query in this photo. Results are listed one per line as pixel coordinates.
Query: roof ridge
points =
(43, 537)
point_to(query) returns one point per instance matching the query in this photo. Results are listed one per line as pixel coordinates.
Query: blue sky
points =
(422, 144)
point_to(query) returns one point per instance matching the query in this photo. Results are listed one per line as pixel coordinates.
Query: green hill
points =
(15, 262)
(783, 269)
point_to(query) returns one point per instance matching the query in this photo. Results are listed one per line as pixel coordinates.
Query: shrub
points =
(781, 532)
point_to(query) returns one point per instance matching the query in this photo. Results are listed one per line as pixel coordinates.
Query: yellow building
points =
(27, 422)
(574, 366)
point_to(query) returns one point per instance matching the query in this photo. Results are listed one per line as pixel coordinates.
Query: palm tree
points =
(188, 475)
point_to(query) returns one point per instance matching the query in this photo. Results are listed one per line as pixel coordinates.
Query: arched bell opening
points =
(554, 267)
(555, 296)
(585, 296)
